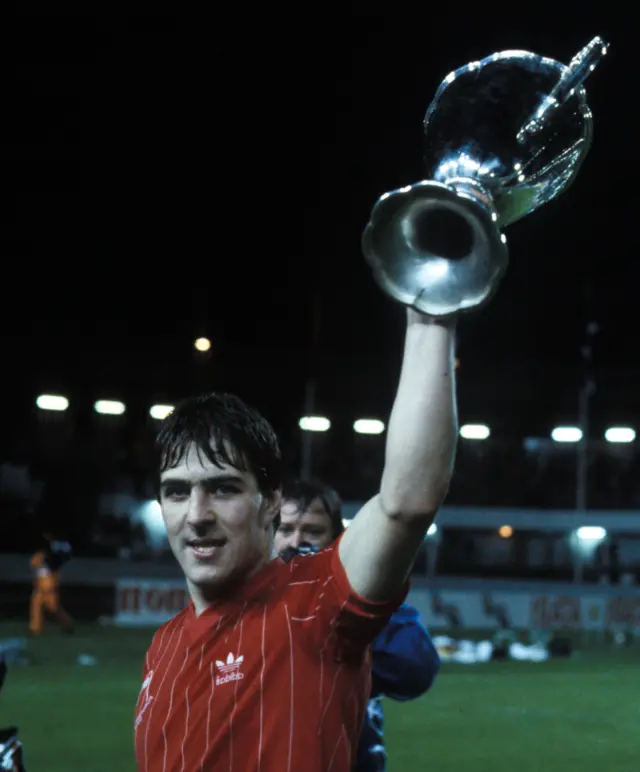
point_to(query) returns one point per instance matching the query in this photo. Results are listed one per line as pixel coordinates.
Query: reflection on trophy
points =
(504, 136)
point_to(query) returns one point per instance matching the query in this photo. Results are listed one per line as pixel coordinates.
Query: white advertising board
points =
(148, 602)
(142, 602)
(554, 608)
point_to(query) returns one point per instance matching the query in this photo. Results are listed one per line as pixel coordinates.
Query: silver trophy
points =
(504, 135)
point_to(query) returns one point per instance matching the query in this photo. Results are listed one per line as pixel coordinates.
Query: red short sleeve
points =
(334, 606)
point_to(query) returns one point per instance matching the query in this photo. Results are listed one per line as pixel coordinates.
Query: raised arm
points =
(379, 547)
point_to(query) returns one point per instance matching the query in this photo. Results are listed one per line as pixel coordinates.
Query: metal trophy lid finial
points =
(577, 71)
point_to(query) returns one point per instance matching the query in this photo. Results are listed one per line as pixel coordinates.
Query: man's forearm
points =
(423, 427)
(379, 548)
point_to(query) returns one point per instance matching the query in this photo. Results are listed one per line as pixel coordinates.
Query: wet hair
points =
(305, 492)
(225, 431)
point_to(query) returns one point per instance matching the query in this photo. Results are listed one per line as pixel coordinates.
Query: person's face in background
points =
(313, 526)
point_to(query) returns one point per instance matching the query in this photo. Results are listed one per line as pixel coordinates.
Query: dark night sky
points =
(163, 178)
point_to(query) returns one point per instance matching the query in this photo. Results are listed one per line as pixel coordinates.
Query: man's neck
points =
(206, 597)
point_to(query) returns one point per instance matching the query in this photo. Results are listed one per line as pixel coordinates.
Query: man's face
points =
(217, 521)
(313, 526)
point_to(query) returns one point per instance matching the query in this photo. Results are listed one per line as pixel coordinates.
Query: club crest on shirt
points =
(229, 670)
(147, 682)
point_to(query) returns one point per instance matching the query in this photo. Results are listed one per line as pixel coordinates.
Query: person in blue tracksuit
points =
(405, 664)
(405, 661)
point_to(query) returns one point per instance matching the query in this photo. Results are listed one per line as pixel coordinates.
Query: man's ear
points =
(271, 506)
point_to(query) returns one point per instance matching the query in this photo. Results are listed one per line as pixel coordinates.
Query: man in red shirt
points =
(268, 669)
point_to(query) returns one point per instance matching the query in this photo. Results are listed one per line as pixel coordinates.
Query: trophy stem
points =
(472, 189)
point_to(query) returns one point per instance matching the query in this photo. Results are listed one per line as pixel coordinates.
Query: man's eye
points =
(223, 489)
(226, 490)
(175, 492)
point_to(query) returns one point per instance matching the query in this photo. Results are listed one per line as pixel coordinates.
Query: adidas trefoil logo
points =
(229, 670)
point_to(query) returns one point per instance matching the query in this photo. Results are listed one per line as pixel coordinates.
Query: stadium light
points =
(160, 412)
(149, 514)
(591, 533)
(368, 426)
(109, 407)
(585, 540)
(474, 432)
(566, 434)
(202, 344)
(314, 423)
(52, 402)
(619, 434)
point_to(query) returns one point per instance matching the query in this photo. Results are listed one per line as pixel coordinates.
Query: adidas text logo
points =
(229, 670)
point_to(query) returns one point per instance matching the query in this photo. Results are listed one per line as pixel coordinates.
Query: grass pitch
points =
(559, 716)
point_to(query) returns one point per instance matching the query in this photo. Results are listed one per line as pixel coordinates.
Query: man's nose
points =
(292, 539)
(200, 508)
(296, 539)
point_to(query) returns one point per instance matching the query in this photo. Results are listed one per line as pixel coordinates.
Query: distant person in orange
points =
(46, 565)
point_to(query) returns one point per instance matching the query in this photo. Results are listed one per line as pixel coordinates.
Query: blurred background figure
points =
(47, 564)
(404, 659)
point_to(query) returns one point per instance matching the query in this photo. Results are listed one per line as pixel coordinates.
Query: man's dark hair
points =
(305, 492)
(225, 431)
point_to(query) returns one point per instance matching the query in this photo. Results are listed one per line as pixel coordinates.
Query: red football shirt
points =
(273, 679)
